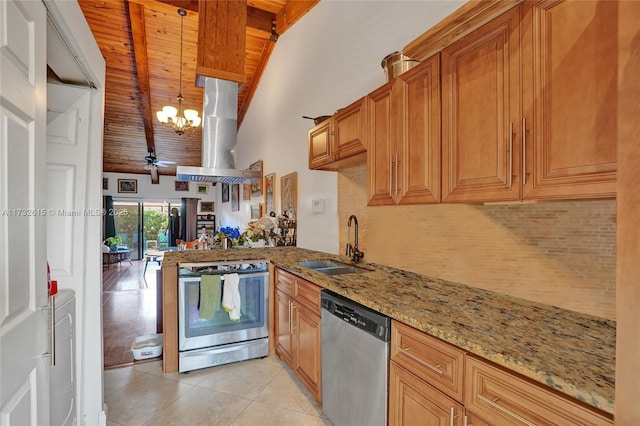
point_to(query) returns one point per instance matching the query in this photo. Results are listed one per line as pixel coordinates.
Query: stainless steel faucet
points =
(352, 251)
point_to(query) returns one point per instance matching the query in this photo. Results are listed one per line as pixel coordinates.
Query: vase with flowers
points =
(232, 234)
(259, 231)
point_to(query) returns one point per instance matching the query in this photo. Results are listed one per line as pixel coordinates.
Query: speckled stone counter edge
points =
(571, 352)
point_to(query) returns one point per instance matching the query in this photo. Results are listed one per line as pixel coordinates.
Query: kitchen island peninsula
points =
(570, 353)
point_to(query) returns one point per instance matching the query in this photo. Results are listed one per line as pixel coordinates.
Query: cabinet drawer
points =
(505, 398)
(285, 282)
(437, 362)
(413, 402)
(308, 294)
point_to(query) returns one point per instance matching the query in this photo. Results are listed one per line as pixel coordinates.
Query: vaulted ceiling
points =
(140, 41)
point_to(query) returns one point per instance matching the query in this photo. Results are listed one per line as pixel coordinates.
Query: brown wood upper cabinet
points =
(481, 112)
(550, 134)
(403, 156)
(339, 142)
(570, 98)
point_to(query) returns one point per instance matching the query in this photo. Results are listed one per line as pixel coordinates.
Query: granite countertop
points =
(568, 351)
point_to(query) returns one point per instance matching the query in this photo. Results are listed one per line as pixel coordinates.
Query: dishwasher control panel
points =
(366, 319)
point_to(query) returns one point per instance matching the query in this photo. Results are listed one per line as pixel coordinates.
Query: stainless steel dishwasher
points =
(355, 362)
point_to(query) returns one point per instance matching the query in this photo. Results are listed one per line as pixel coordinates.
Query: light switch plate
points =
(317, 206)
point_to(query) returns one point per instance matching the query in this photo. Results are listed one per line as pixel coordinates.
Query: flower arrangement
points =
(260, 230)
(233, 234)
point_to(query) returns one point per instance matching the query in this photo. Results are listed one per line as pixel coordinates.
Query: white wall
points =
(326, 61)
(163, 191)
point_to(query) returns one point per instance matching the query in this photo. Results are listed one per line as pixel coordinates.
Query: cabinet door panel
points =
(308, 349)
(569, 54)
(381, 150)
(419, 140)
(414, 402)
(320, 145)
(349, 128)
(284, 346)
(481, 113)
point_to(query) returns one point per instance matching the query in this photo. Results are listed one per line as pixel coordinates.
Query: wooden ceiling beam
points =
(222, 27)
(190, 5)
(138, 33)
(292, 12)
(260, 20)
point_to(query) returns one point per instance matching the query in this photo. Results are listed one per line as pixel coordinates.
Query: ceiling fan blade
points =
(160, 165)
(165, 162)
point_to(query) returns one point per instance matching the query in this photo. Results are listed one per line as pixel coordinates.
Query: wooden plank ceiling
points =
(140, 41)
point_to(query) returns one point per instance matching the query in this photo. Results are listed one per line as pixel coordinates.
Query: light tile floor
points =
(261, 392)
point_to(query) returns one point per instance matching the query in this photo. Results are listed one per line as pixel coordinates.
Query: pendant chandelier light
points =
(180, 120)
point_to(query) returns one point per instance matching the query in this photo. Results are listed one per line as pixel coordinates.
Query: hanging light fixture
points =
(180, 120)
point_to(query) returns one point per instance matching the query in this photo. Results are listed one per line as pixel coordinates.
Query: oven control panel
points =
(239, 267)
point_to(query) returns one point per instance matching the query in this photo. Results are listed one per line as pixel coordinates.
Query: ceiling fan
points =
(152, 163)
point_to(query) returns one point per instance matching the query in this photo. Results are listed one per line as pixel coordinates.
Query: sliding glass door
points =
(142, 225)
(155, 219)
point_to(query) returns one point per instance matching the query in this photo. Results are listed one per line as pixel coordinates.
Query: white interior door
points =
(24, 371)
(67, 143)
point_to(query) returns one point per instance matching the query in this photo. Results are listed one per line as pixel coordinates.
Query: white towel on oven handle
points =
(231, 296)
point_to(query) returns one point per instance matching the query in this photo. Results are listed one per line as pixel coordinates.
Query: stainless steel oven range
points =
(222, 313)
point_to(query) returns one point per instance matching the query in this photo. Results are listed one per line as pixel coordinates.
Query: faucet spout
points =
(353, 251)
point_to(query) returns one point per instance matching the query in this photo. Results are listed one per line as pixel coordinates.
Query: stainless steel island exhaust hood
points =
(219, 137)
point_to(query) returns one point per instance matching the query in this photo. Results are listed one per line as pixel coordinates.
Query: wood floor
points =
(129, 308)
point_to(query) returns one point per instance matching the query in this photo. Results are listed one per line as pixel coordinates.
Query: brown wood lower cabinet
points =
(298, 328)
(412, 401)
(308, 348)
(504, 398)
(284, 320)
(434, 383)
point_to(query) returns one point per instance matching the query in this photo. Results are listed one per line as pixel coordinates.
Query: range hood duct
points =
(219, 137)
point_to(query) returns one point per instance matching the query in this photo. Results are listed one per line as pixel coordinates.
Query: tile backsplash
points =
(561, 253)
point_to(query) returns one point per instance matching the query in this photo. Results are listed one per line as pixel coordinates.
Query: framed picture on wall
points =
(207, 206)
(246, 191)
(105, 183)
(225, 192)
(235, 197)
(203, 189)
(256, 211)
(182, 186)
(269, 192)
(127, 186)
(256, 187)
(289, 188)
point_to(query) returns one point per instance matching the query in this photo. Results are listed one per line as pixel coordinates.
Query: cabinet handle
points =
(293, 307)
(466, 421)
(52, 320)
(510, 154)
(524, 150)
(391, 176)
(452, 415)
(494, 404)
(435, 368)
(396, 175)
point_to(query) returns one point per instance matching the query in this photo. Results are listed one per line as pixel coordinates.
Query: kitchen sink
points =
(332, 267)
